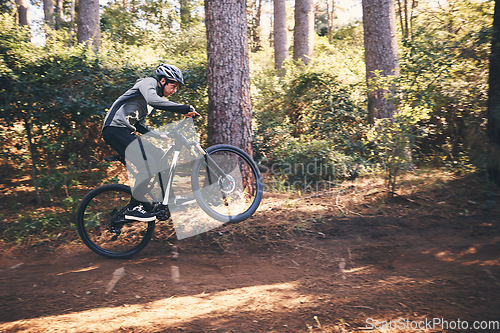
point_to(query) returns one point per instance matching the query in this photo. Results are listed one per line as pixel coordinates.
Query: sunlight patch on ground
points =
(169, 312)
(362, 270)
(85, 269)
(470, 255)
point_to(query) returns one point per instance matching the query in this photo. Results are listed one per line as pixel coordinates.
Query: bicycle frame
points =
(194, 147)
(224, 180)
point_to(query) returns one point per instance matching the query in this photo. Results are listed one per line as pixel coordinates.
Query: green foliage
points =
(57, 96)
(308, 101)
(153, 23)
(390, 143)
(304, 160)
(310, 122)
(309, 125)
(444, 70)
(41, 226)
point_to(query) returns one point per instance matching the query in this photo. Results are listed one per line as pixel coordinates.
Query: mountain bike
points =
(225, 181)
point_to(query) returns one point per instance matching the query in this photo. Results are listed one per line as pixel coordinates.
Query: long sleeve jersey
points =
(131, 108)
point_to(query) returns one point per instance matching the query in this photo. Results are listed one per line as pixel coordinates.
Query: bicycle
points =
(229, 170)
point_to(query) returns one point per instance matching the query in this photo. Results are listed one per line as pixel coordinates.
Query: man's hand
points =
(192, 113)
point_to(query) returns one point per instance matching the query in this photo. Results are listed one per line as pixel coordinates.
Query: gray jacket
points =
(131, 108)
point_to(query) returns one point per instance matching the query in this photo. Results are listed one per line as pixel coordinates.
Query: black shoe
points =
(139, 214)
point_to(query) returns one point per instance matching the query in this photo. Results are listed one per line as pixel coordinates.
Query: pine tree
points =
(303, 32)
(229, 104)
(89, 23)
(381, 56)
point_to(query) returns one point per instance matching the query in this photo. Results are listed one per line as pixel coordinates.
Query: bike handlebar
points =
(175, 131)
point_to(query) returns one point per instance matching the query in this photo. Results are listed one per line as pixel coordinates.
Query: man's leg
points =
(119, 138)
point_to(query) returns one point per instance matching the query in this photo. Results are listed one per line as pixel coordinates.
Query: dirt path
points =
(347, 274)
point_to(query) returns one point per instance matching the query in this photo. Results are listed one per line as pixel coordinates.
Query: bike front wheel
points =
(103, 228)
(227, 184)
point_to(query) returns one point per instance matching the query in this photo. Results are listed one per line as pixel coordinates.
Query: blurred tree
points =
(22, 12)
(89, 23)
(303, 32)
(406, 14)
(48, 12)
(229, 103)
(254, 17)
(324, 16)
(58, 14)
(191, 13)
(280, 33)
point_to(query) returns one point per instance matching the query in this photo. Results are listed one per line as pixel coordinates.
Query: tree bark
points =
(229, 104)
(257, 28)
(381, 55)
(303, 32)
(48, 12)
(59, 14)
(493, 113)
(88, 23)
(22, 11)
(280, 33)
(330, 12)
(185, 14)
(72, 17)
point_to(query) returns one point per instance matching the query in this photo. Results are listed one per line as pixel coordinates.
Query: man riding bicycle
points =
(127, 115)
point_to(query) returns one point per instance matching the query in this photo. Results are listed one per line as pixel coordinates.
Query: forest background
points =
(311, 124)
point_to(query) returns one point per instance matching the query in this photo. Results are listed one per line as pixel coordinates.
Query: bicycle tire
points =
(102, 227)
(235, 201)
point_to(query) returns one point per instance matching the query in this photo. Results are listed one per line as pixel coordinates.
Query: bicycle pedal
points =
(163, 215)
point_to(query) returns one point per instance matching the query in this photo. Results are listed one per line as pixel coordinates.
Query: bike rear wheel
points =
(102, 227)
(227, 184)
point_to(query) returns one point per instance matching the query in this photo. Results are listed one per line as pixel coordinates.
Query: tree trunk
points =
(22, 11)
(59, 14)
(401, 18)
(229, 104)
(88, 23)
(72, 18)
(27, 126)
(381, 55)
(258, 31)
(303, 32)
(493, 127)
(185, 14)
(330, 12)
(48, 12)
(280, 33)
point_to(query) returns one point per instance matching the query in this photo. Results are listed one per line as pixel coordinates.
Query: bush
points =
(309, 102)
(59, 94)
(312, 164)
(309, 126)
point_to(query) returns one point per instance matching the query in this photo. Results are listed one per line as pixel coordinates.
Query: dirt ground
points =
(353, 272)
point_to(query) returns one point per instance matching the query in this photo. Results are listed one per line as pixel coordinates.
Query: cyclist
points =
(127, 115)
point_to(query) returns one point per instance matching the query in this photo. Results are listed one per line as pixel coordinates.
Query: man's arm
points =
(147, 88)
